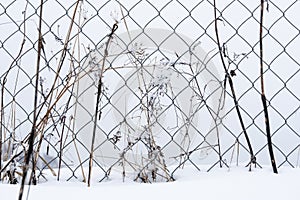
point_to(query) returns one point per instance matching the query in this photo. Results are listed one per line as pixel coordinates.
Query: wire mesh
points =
(164, 101)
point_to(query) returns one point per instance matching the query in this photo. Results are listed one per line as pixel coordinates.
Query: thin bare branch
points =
(28, 154)
(228, 77)
(263, 96)
(99, 93)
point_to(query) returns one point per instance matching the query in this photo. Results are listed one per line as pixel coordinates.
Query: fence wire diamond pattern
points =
(153, 70)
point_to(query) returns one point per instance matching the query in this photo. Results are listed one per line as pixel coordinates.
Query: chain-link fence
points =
(139, 86)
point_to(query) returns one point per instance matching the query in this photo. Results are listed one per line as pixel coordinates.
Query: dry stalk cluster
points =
(150, 165)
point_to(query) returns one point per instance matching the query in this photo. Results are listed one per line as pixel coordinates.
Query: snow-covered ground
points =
(236, 183)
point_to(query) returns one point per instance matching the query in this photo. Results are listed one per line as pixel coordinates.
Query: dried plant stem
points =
(43, 120)
(61, 60)
(61, 143)
(73, 136)
(4, 82)
(228, 77)
(99, 93)
(42, 124)
(263, 96)
(12, 118)
(125, 22)
(211, 113)
(76, 99)
(29, 152)
(48, 165)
